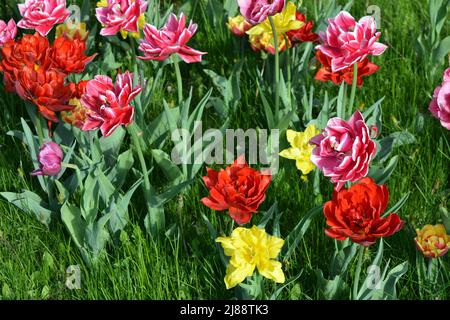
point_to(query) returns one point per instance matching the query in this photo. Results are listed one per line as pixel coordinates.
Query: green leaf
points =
(170, 170)
(268, 215)
(30, 202)
(71, 217)
(342, 259)
(441, 51)
(398, 205)
(293, 239)
(119, 172)
(381, 175)
(335, 289)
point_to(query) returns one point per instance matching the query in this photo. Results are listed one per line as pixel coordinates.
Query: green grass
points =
(33, 259)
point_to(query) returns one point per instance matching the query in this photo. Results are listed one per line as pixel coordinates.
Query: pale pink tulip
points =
(120, 15)
(344, 150)
(42, 15)
(171, 39)
(348, 42)
(8, 31)
(256, 11)
(109, 104)
(50, 158)
(440, 105)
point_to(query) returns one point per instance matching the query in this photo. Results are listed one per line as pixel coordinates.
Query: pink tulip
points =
(120, 15)
(344, 150)
(256, 11)
(110, 104)
(171, 39)
(42, 15)
(50, 158)
(440, 105)
(8, 31)
(347, 42)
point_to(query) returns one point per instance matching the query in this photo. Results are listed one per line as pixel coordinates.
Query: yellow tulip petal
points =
(235, 275)
(272, 270)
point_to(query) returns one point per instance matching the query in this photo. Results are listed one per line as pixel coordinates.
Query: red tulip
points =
(238, 189)
(305, 33)
(365, 69)
(355, 213)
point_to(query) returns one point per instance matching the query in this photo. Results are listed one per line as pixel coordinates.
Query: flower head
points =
(72, 30)
(29, 51)
(256, 11)
(440, 105)
(238, 25)
(325, 73)
(171, 39)
(301, 149)
(238, 189)
(68, 54)
(109, 104)
(304, 33)
(8, 31)
(347, 42)
(50, 158)
(355, 213)
(344, 150)
(46, 89)
(42, 15)
(77, 116)
(121, 16)
(284, 22)
(251, 249)
(432, 241)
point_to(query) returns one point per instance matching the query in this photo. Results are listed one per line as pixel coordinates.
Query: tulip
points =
(440, 105)
(109, 104)
(159, 45)
(42, 15)
(256, 11)
(348, 42)
(344, 150)
(50, 158)
(8, 31)
(433, 241)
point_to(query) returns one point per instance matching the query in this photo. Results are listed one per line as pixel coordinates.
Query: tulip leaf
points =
(170, 170)
(342, 259)
(335, 289)
(340, 107)
(71, 216)
(268, 215)
(398, 205)
(381, 175)
(120, 171)
(267, 109)
(442, 50)
(28, 201)
(293, 239)
(445, 215)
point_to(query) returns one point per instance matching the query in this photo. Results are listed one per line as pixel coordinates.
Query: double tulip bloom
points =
(159, 45)
(8, 31)
(344, 150)
(36, 71)
(121, 16)
(109, 103)
(355, 213)
(347, 42)
(50, 158)
(42, 15)
(251, 249)
(256, 11)
(440, 105)
(433, 241)
(238, 189)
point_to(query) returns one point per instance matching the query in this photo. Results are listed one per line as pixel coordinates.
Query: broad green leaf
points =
(30, 202)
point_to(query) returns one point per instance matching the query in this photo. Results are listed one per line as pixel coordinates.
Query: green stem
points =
(137, 144)
(179, 79)
(355, 81)
(277, 67)
(289, 76)
(358, 271)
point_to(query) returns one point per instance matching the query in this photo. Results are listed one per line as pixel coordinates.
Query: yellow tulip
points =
(301, 150)
(251, 249)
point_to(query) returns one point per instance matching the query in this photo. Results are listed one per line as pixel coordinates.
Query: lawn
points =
(186, 264)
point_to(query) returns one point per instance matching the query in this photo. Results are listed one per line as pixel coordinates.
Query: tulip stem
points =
(358, 271)
(354, 83)
(147, 187)
(179, 79)
(277, 68)
(289, 76)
